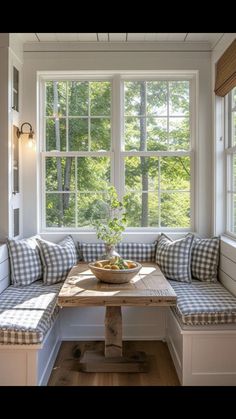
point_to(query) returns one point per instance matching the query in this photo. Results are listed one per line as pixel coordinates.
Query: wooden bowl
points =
(113, 276)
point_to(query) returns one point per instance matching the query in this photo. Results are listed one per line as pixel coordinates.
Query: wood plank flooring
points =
(66, 368)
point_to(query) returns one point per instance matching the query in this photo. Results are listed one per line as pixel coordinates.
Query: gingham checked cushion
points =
(174, 257)
(90, 252)
(58, 259)
(143, 252)
(26, 313)
(205, 257)
(204, 303)
(26, 265)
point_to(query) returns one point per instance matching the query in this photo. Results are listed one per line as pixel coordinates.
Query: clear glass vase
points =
(110, 253)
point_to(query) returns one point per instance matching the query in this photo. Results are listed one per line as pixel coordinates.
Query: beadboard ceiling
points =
(211, 39)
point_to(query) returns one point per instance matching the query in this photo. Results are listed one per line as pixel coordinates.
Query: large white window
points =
(135, 132)
(230, 126)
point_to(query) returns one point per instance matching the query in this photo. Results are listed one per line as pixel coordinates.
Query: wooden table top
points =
(148, 288)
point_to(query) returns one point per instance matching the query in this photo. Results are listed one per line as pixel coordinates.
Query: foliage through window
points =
(85, 140)
(230, 125)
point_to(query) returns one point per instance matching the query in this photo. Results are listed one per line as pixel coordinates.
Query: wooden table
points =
(148, 288)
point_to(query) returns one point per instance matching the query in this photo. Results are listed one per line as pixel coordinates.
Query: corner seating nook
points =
(203, 354)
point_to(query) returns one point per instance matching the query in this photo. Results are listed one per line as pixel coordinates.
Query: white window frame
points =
(117, 153)
(230, 151)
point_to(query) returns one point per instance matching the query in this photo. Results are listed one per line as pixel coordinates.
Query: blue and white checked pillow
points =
(142, 252)
(58, 259)
(26, 265)
(174, 257)
(205, 259)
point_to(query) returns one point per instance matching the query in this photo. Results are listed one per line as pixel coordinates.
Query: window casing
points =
(230, 151)
(124, 154)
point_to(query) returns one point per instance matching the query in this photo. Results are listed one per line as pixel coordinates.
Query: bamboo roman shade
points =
(226, 71)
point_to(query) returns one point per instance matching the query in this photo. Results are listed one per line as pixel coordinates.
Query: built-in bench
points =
(201, 334)
(200, 331)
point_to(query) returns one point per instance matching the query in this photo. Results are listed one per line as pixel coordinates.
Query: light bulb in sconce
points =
(30, 133)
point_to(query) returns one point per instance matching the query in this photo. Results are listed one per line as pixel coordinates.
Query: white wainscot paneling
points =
(87, 323)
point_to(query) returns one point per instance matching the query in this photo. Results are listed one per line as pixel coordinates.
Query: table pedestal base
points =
(95, 361)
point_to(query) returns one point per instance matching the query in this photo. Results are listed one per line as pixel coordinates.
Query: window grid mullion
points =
(89, 120)
(76, 192)
(168, 114)
(159, 193)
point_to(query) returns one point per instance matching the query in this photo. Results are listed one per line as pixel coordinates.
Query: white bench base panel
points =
(29, 365)
(202, 357)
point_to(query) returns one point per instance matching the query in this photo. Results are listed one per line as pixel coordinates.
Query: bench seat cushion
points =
(200, 303)
(26, 313)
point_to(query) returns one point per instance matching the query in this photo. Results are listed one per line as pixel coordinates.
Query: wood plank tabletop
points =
(148, 288)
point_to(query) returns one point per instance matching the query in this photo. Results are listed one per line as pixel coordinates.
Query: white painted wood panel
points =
(87, 323)
(228, 248)
(103, 37)
(228, 266)
(117, 37)
(4, 269)
(228, 282)
(3, 253)
(4, 283)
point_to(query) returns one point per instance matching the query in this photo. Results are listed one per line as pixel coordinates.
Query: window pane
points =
(132, 97)
(91, 207)
(60, 174)
(142, 209)
(157, 98)
(100, 98)
(175, 209)
(60, 210)
(55, 98)
(141, 173)
(132, 133)
(179, 98)
(179, 135)
(78, 134)
(93, 173)
(56, 134)
(175, 173)
(157, 134)
(100, 133)
(78, 97)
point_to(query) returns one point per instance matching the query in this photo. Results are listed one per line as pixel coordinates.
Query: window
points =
(134, 132)
(230, 125)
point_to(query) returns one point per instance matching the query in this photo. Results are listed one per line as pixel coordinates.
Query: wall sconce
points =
(30, 133)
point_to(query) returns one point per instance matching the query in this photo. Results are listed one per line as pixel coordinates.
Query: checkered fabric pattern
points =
(90, 252)
(201, 303)
(205, 258)
(174, 257)
(26, 313)
(26, 265)
(57, 259)
(142, 252)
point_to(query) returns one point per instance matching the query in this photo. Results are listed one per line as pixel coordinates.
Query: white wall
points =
(121, 60)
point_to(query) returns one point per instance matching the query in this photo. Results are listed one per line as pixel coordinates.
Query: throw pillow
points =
(205, 259)
(89, 252)
(26, 265)
(58, 259)
(141, 252)
(174, 257)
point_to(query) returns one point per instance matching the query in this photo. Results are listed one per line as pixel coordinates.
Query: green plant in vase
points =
(111, 227)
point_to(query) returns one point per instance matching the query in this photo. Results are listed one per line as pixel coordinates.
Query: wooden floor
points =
(161, 369)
